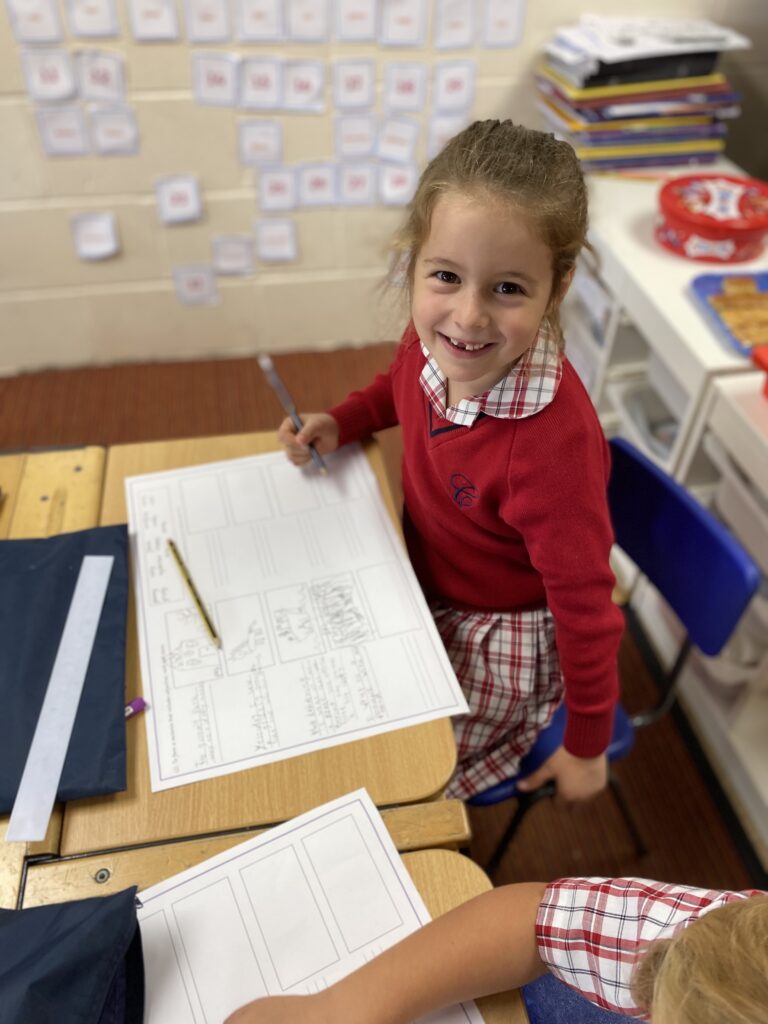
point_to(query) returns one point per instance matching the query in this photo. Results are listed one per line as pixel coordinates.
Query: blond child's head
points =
(526, 171)
(715, 971)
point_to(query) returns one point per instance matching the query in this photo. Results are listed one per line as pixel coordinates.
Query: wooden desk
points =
(444, 878)
(401, 767)
(47, 493)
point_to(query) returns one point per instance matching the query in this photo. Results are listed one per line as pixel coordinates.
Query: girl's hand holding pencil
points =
(320, 430)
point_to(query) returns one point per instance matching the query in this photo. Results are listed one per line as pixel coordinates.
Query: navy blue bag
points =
(37, 580)
(72, 963)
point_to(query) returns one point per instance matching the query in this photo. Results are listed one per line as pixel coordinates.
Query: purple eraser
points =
(135, 706)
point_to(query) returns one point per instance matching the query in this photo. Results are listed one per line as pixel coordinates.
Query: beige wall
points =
(57, 311)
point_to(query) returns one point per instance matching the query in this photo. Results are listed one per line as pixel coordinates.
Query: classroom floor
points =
(687, 825)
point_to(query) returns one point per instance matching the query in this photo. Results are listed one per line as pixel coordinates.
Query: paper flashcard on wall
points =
(207, 21)
(95, 19)
(307, 20)
(304, 86)
(153, 20)
(178, 199)
(63, 131)
(355, 21)
(354, 84)
(405, 87)
(357, 184)
(276, 241)
(34, 21)
(259, 21)
(195, 285)
(397, 183)
(454, 24)
(95, 235)
(233, 254)
(114, 132)
(442, 128)
(49, 75)
(317, 184)
(453, 87)
(503, 22)
(261, 83)
(356, 137)
(277, 189)
(397, 140)
(403, 22)
(215, 79)
(101, 76)
(261, 142)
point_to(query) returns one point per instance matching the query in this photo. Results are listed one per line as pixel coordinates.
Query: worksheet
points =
(325, 634)
(286, 913)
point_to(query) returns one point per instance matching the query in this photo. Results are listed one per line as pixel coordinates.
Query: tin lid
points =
(717, 203)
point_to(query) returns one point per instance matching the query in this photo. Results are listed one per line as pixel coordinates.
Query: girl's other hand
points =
(282, 1010)
(320, 429)
(577, 778)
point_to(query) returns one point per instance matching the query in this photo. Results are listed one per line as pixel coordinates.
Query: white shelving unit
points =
(661, 377)
(726, 699)
(634, 334)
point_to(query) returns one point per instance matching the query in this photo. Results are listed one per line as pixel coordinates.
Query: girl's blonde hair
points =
(527, 169)
(715, 971)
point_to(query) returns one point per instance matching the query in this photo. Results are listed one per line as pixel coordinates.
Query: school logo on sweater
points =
(463, 490)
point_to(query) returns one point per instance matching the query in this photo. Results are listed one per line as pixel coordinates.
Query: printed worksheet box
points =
(352, 882)
(221, 983)
(291, 922)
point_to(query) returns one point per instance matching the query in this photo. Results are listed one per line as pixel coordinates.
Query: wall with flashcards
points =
(193, 178)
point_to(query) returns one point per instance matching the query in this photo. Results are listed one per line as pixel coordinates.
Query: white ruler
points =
(45, 760)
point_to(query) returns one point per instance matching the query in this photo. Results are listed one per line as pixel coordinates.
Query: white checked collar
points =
(529, 386)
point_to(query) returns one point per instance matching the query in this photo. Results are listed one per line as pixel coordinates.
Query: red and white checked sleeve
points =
(590, 931)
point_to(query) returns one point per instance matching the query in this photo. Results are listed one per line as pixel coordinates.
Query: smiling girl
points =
(505, 466)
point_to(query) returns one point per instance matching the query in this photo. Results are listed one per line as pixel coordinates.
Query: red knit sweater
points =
(510, 514)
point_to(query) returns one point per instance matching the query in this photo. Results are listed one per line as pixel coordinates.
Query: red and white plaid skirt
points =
(509, 670)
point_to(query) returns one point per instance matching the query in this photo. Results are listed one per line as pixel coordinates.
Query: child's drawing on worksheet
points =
(325, 635)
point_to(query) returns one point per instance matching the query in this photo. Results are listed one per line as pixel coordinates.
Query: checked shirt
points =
(590, 931)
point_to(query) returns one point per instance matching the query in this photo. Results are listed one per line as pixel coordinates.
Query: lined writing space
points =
(289, 918)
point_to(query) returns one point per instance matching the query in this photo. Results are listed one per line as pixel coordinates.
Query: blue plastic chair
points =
(703, 574)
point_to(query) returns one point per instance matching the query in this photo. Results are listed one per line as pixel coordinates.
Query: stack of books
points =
(626, 92)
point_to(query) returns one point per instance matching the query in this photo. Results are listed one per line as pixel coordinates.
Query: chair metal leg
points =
(525, 801)
(618, 794)
(666, 681)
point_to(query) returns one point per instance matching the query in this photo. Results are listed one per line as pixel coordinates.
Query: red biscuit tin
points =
(714, 217)
(760, 359)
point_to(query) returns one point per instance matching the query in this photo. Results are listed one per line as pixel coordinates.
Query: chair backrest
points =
(699, 568)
